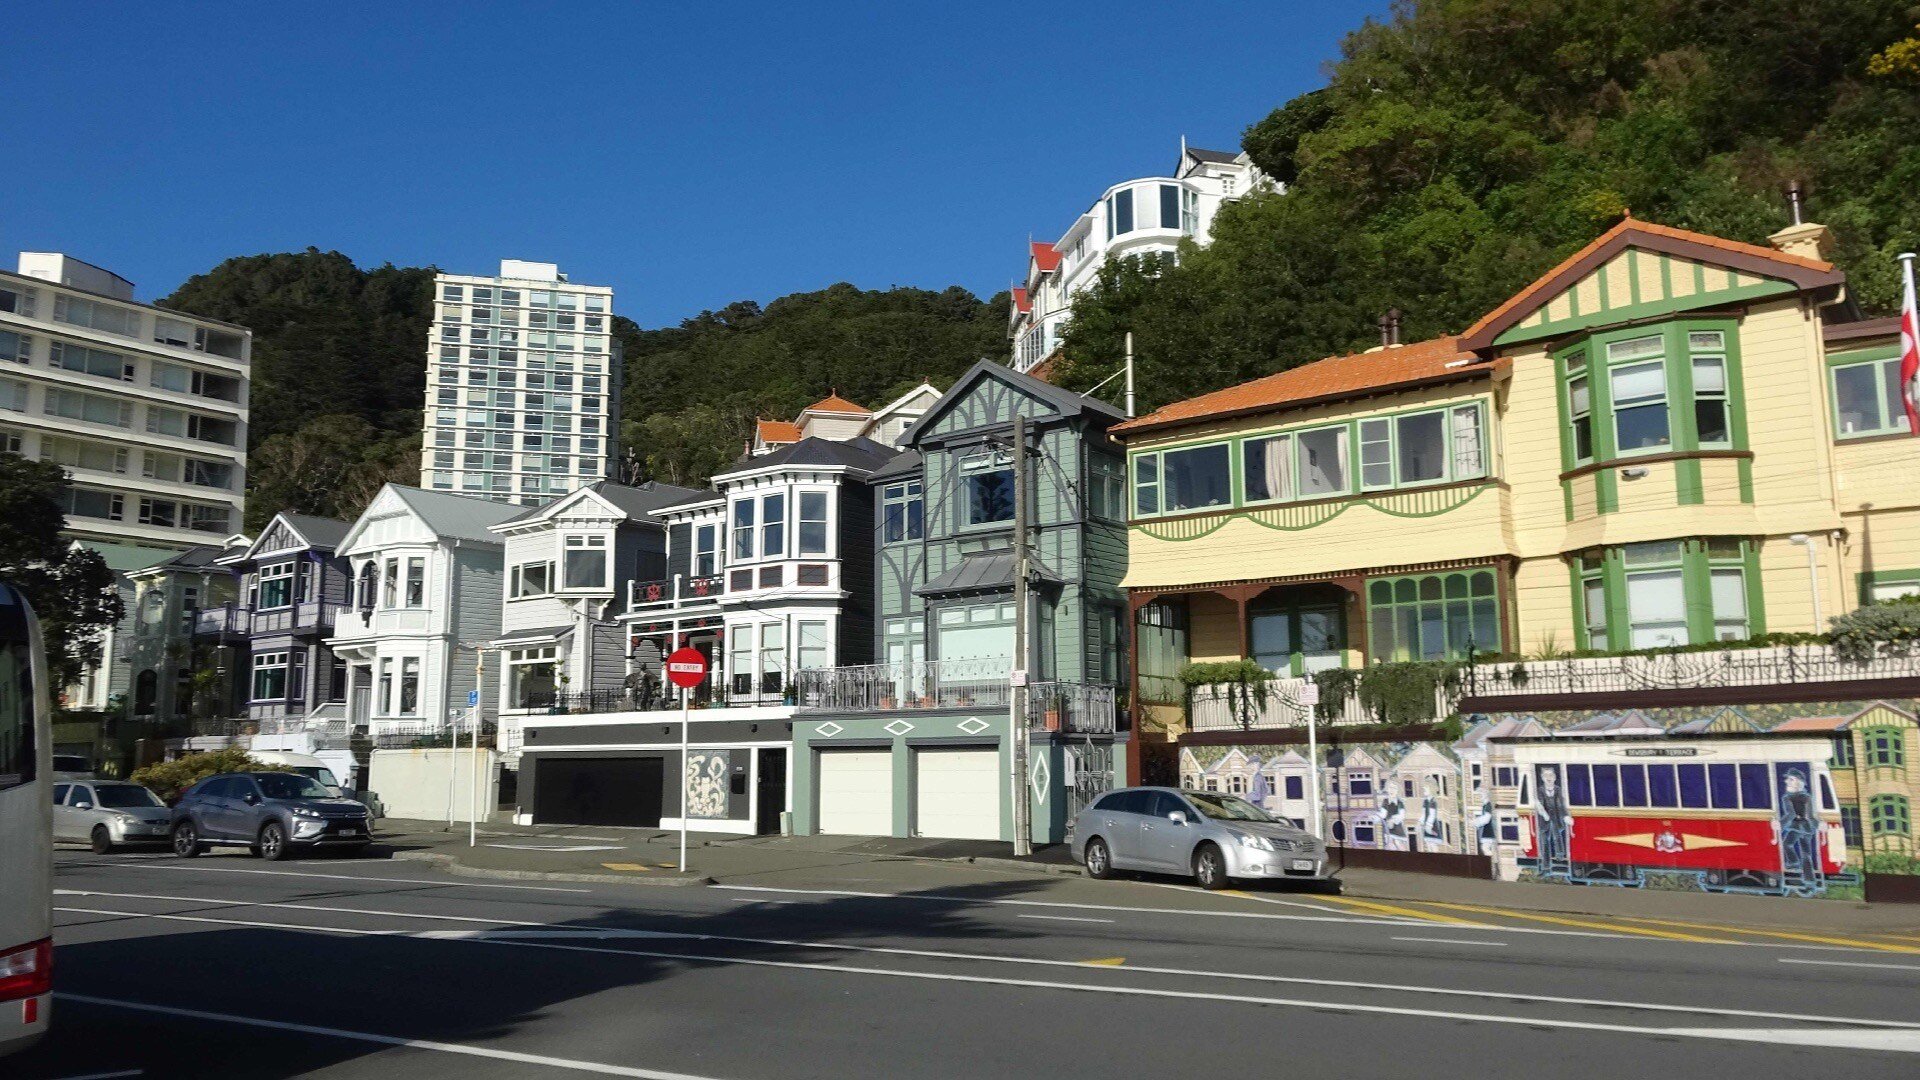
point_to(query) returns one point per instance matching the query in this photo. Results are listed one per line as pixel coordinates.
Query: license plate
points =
(1303, 864)
(354, 829)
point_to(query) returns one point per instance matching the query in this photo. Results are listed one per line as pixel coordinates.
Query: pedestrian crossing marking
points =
(626, 866)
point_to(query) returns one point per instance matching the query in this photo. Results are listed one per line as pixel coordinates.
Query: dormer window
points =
(586, 563)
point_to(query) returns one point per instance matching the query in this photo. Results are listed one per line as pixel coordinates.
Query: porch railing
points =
(301, 616)
(423, 735)
(1280, 704)
(1071, 708)
(1771, 666)
(676, 590)
(926, 684)
(639, 697)
(225, 619)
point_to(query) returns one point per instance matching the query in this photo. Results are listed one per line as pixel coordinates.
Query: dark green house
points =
(917, 744)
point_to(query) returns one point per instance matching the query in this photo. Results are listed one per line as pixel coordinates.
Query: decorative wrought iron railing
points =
(640, 695)
(1071, 708)
(928, 684)
(1279, 703)
(1770, 666)
(424, 735)
(678, 589)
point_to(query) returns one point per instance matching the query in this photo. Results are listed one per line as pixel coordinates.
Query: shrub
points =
(1887, 628)
(168, 779)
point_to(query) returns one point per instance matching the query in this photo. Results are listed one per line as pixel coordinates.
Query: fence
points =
(1771, 666)
(1071, 708)
(927, 684)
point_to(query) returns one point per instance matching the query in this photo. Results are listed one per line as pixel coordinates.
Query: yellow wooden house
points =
(1670, 438)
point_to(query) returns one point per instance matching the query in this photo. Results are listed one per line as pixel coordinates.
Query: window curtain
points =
(1468, 459)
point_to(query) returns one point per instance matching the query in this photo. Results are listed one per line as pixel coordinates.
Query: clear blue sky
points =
(688, 155)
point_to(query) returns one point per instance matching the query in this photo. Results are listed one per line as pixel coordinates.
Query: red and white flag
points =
(1909, 347)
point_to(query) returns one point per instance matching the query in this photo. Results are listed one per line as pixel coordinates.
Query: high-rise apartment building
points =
(523, 385)
(145, 408)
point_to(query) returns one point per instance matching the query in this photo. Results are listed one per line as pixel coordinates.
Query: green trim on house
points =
(1861, 356)
(1696, 564)
(1648, 309)
(1450, 602)
(1895, 424)
(1418, 503)
(1865, 580)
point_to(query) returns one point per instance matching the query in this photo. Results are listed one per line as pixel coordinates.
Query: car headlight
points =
(125, 818)
(303, 811)
(1259, 843)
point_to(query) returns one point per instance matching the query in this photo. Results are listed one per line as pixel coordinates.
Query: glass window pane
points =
(1894, 416)
(1197, 477)
(1634, 348)
(1267, 471)
(1633, 785)
(1421, 447)
(1856, 394)
(1709, 375)
(1323, 461)
(1729, 594)
(1693, 786)
(1469, 455)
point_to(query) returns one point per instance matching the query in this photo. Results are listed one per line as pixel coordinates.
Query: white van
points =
(305, 764)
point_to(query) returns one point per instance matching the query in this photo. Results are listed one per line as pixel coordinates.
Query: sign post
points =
(686, 669)
(1308, 698)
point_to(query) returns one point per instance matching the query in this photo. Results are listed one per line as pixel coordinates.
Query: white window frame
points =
(589, 543)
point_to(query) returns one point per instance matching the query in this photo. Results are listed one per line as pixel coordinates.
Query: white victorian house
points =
(426, 598)
(568, 565)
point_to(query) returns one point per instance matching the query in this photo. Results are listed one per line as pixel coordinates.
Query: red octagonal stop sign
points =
(686, 668)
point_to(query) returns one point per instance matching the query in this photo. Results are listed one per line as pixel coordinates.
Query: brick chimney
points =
(1803, 238)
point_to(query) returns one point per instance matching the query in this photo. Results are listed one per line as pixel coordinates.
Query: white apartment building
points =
(426, 602)
(1145, 216)
(523, 385)
(145, 408)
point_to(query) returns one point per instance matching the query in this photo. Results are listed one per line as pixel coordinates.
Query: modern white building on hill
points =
(523, 385)
(1145, 216)
(145, 408)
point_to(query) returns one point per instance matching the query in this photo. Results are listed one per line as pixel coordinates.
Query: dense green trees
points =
(70, 587)
(1463, 146)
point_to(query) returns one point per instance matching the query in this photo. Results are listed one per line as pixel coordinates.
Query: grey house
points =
(916, 745)
(293, 584)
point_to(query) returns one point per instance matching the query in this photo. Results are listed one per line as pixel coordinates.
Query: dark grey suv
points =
(270, 812)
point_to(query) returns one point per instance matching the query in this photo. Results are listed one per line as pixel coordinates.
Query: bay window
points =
(416, 582)
(410, 686)
(1639, 393)
(531, 677)
(1650, 391)
(270, 676)
(743, 524)
(813, 523)
(773, 526)
(1667, 593)
(813, 646)
(276, 585)
(1434, 616)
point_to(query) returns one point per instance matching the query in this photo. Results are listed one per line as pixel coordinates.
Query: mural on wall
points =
(707, 783)
(1784, 799)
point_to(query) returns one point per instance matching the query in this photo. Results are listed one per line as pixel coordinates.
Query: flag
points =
(1909, 347)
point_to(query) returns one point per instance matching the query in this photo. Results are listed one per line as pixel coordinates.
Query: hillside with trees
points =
(1462, 147)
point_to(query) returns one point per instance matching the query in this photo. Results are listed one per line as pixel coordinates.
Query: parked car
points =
(109, 813)
(270, 812)
(1216, 838)
(305, 764)
(72, 767)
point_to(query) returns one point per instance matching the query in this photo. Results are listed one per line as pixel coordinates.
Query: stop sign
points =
(686, 668)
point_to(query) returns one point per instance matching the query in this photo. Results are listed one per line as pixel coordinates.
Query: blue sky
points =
(688, 155)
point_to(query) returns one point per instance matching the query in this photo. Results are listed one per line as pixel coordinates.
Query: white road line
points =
(1851, 964)
(1456, 941)
(948, 898)
(294, 906)
(505, 937)
(1065, 918)
(601, 1068)
(356, 877)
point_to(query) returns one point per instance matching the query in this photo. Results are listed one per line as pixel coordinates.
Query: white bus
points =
(26, 827)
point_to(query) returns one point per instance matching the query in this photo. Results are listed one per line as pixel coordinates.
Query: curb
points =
(454, 866)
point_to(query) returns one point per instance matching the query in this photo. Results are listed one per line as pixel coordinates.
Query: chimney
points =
(1808, 240)
(1390, 328)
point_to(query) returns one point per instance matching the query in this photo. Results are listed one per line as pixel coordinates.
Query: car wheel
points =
(1098, 860)
(1210, 867)
(273, 842)
(186, 840)
(102, 840)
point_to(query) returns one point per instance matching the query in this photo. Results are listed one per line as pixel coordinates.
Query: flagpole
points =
(1909, 344)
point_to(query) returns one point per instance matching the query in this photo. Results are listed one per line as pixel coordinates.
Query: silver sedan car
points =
(1216, 838)
(108, 813)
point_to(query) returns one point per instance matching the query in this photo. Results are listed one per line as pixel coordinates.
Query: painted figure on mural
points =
(1483, 826)
(1799, 829)
(1393, 823)
(1433, 835)
(1551, 817)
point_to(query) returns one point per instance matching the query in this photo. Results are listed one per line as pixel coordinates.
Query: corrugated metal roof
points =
(461, 517)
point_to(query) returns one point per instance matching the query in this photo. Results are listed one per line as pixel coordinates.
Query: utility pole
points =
(1017, 713)
(473, 764)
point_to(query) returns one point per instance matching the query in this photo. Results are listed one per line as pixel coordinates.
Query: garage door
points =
(856, 792)
(597, 791)
(956, 794)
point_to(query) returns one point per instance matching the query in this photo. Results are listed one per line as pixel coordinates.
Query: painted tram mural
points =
(1772, 800)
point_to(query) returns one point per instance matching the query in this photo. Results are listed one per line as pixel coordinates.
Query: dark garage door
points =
(597, 791)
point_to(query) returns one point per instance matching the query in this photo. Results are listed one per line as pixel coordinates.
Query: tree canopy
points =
(1462, 147)
(70, 587)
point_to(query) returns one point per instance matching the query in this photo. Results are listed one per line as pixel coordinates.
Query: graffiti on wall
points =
(707, 783)
(1784, 799)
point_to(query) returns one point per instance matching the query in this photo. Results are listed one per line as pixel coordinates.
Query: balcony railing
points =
(1771, 666)
(927, 684)
(1071, 708)
(643, 697)
(349, 622)
(226, 619)
(306, 615)
(421, 734)
(1232, 707)
(678, 591)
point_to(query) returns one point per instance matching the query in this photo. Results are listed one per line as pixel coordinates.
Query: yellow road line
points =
(1818, 939)
(625, 866)
(1558, 920)
(1111, 961)
(1378, 908)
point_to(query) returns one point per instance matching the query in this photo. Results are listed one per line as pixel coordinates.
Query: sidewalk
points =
(649, 857)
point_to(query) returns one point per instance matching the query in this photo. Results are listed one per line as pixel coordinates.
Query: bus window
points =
(1723, 787)
(1633, 785)
(18, 755)
(1579, 786)
(1661, 789)
(1756, 787)
(1693, 786)
(1606, 785)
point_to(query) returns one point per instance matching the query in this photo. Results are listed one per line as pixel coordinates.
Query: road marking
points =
(557, 847)
(357, 877)
(386, 1040)
(1820, 939)
(1403, 912)
(1111, 961)
(1851, 964)
(1558, 920)
(504, 937)
(1065, 918)
(948, 898)
(1456, 941)
(291, 905)
(642, 868)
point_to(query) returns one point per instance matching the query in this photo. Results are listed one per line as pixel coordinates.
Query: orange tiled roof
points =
(1332, 378)
(834, 403)
(1551, 283)
(774, 432)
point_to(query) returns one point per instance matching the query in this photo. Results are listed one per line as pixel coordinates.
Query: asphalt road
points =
(232, 968)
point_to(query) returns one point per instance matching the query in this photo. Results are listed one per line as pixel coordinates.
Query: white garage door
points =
(856, 792)
(956, 794)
